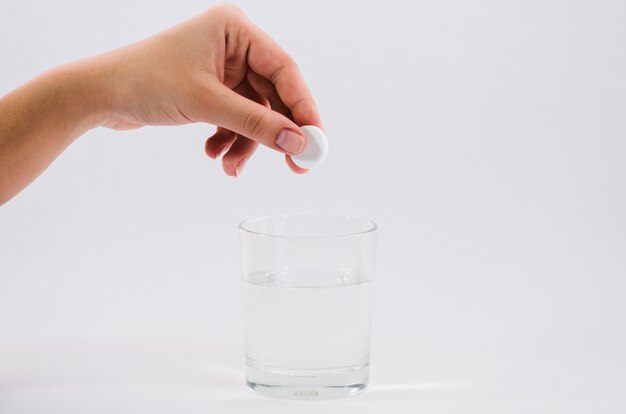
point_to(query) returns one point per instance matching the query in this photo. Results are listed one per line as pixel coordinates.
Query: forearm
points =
(43, 117)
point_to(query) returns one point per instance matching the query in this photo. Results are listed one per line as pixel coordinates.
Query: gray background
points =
(486, 138)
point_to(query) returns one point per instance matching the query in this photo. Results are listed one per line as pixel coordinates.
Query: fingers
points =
(294, 167)
(248, 118)
(266, 89)
(237, 148)
(274, 76)
(235, 159)
(269, 60)
(219, 143)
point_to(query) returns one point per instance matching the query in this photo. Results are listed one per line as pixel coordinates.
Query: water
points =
(307, 332)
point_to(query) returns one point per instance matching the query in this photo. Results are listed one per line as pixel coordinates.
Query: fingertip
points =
(239, 153)
(292, 165)
(241, 165)
(219, 143)
(216, 153)
(229, 171)
(229, 167)
(208, 149)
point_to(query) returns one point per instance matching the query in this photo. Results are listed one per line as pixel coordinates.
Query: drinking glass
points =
(307, 304)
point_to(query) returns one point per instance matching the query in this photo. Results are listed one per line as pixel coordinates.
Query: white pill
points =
(316, 148)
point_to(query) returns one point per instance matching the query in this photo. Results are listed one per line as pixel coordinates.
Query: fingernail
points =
(290, 141)
(221, 150)
(240, 166)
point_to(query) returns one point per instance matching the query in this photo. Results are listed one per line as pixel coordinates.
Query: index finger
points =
(269, 60)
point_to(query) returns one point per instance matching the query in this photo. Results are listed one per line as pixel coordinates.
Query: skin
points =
(216, 68)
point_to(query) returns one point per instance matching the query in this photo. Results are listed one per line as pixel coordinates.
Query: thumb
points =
(250, 119)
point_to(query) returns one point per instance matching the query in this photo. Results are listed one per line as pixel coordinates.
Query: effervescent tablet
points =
(316, 148)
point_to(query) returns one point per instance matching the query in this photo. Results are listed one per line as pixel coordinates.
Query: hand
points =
(217, 68)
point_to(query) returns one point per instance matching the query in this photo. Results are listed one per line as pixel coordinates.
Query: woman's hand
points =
(217, 68)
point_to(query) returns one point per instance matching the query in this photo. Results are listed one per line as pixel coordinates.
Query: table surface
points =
(200, 376)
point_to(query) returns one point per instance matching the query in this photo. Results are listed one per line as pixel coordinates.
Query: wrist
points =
(85, 87)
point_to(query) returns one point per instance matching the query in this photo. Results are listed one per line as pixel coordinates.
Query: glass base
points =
(308, 385)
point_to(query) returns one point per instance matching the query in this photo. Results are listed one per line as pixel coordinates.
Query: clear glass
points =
(307, 304)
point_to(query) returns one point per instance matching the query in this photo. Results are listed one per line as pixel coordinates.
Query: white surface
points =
(485, 138)
(316, 149)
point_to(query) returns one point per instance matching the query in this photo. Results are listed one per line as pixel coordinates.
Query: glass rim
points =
(371, 226)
